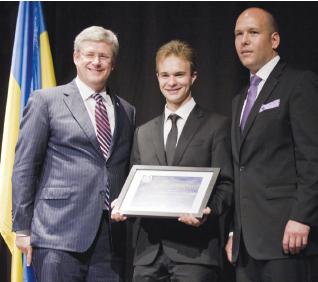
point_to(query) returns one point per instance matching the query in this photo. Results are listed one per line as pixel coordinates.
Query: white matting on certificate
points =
(166, 191)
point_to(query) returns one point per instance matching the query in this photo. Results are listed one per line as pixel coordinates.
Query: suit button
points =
(242, 168)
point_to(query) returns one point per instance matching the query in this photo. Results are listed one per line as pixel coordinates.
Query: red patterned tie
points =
(104, 134)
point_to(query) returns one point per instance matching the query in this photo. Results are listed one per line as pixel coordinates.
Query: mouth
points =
(173, 91)
(95, 70)
(246, 53)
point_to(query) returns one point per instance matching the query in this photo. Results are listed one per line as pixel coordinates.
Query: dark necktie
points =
(104, 134)
(250, 100)
(172, 139)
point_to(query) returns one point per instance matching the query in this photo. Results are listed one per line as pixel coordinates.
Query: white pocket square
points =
(270, 105)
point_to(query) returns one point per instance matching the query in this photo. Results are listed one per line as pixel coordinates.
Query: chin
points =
(246, 61)
(173, 99)
(97, 86)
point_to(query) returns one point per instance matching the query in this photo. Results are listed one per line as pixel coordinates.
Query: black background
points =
(142, 27)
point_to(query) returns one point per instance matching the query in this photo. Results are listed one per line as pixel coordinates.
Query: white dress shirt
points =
(183, 112)
(263, 73)
(86, 94)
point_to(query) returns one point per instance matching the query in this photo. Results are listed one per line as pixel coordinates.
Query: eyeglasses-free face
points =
(175, 80)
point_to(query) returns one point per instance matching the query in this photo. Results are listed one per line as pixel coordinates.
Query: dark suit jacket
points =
(204, 142)
(60, 175)
(276, 163)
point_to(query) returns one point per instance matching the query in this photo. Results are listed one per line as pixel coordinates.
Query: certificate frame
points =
(166, 191)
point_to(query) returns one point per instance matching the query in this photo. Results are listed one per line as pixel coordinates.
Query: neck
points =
(175, 106)
(254, 71)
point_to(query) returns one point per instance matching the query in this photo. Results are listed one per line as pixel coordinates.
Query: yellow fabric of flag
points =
(31, 68)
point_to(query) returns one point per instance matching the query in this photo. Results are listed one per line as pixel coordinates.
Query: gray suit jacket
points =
(204, 142)
(60, 175)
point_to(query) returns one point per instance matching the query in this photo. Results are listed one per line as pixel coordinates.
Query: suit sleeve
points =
(30, 152)
(135, 154)
(222, 158)
(303, 118)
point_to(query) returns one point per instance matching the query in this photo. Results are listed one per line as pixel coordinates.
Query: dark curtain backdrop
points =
(144, 26)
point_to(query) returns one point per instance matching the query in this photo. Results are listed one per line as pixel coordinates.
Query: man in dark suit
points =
(275, 154)
(188, 248)
(72, 158)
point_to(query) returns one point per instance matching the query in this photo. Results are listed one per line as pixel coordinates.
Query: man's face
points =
(94, 63)
(254, 40)
(175, 80)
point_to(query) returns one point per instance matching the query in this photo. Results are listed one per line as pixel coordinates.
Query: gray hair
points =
(97, 33)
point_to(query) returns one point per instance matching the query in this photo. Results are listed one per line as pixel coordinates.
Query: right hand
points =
(23, 243)
(228, 248)
(115, 215)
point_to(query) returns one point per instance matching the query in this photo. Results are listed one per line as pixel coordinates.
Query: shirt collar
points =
(183, 112)
(266, 70)
(86, 92)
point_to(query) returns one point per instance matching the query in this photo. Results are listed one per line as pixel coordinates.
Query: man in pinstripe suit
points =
(61, 175)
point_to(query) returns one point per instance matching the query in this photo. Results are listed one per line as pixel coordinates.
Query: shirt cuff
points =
(22, 233)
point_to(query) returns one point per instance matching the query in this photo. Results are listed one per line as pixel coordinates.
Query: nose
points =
(245, 39)
(96, 59)
(171, 80)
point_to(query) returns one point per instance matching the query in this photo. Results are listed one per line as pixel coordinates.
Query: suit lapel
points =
(236, 130)
(262, 97)
(118, 123)
(190, 128)
(75, 104)
(157, 138)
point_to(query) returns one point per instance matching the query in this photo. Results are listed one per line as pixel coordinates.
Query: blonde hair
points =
(179, 49)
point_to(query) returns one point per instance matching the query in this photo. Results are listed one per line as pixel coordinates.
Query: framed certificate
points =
(166, 191)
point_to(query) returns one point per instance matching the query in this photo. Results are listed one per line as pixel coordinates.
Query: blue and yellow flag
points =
(31, 68)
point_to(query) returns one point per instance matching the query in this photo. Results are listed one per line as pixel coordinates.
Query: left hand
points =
(193, 221)
(295, 237)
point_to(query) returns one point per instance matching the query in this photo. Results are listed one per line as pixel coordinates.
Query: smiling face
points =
(256, 40)
(175, 80)
(94, 63)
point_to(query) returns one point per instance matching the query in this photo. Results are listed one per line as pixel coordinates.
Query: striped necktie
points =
(104, 134)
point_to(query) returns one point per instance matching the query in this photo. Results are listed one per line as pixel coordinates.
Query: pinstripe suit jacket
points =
(60, 175)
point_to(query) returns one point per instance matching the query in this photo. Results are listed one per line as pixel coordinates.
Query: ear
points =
(76, 55)
(194, 76)
(275, 40)
(114, 61)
